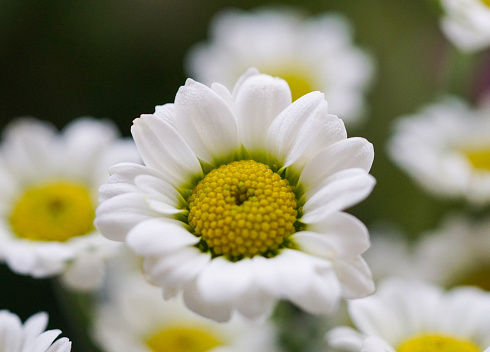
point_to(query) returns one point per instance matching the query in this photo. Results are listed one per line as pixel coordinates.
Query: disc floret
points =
(243, 209)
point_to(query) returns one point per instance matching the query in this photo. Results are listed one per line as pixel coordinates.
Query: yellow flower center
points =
(53, 212)
(479, 158)
(437, 343)
(486, 2)
(182, 339)
(243, 209)
(300, 81)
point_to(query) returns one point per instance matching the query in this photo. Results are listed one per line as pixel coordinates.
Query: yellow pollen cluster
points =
(437, 343)
(182, 339)
(53, 212)
(243, 209)
(480, 159)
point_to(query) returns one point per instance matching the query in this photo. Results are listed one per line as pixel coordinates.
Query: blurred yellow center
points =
(243, 209)
(182, 339)
(53, 212)
(479, 158)
(486, 2)
(437, 343)
(300, 81)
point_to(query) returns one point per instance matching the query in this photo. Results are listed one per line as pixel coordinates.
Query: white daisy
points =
(133, 317)
(411, 316)
(30, 337)
(48, 197)
(240, 201)
(467, 23)
(309, 53)
(446, 149)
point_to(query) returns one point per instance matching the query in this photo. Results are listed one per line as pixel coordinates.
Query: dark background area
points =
(118, 59)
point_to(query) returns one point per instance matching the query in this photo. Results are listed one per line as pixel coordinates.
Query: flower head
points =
(311, 54)
(467, 23)
(49, 195)
(240, 200)
(133, 317)
(15, 337)
(410, 316)
(446, 149)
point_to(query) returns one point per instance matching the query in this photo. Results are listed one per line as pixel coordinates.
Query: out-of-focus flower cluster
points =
(223, 224)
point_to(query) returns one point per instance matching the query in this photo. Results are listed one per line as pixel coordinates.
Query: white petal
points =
(375, 344)
(179, 268)
(117, 215)
(159, 236)
(223, 281)
(29, 158)
(206, 122)
(345, 338)
(252, 71)
(355, 277)
(259, 101)
(331, 130)
(34, 326)
(43, 341)
(166, 113)
(61, 345)
(348, 153)
(159, 190)
(307, 134)
(348, 235)
(283, 130)
(10, 331)
(256, 303)
(224, 93)
(218, 312)
(338, 194)
(316, 244)
(86, 272)
(321, 296)
(163, 148)
(121, 180)
(84, 143)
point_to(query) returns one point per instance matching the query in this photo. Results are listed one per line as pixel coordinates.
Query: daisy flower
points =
(467, 23)
(240, 200)
(411, 316)
(446, 149)
(311, 54)
(15, 337)
(132, 317)
(49, 194)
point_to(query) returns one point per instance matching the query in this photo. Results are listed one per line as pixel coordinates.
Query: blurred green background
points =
(118, 59)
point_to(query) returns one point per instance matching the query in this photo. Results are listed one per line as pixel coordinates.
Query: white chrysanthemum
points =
(30, 337)
(134, 318)
(311, 54)
(446, 149)
(467, 23)
(411, 316)
(48, 197)
(240, 202)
